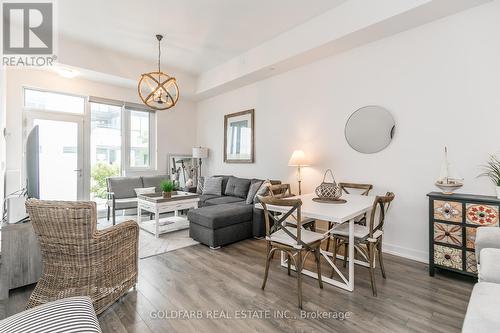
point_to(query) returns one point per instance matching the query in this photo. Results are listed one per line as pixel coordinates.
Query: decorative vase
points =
(498, 192)
(167, 195)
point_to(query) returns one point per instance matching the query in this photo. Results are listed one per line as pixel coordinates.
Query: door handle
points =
(79, 172)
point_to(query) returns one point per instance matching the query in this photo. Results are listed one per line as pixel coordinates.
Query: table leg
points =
(351, 255)
(157, 224)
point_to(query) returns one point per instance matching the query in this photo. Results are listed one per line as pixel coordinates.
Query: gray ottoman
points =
(220, 225)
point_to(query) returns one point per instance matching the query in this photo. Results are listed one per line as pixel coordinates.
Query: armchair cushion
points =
(68, 315)
(482, 315)
(486, 237)
(489, 270)
(154, 181)
(127, 203)
(123, 187)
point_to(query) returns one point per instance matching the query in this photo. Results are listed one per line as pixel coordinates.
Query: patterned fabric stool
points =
(68, 315)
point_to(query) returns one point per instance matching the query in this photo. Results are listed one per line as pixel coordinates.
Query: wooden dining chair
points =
(367, 239)
(297, 242)
(282, 191)
(362, 189)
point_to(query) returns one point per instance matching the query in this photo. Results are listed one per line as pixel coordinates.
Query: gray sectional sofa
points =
(227, 218)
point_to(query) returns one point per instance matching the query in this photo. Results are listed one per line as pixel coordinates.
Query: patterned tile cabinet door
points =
(448, 257)
(448, 211)
(448, 233)
(482, 215)
(453, 222)
(471, 265)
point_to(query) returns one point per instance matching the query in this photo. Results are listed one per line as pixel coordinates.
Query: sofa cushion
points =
(70, 315)
(220, 216)
(154, 181)
(489, 269)
(223, 200)
(123, 187)
(205, 197)
(482, 314)
(252, 191)
(127, 203)
(225, 179)
(213, 185)
(486, 237)
(237, 187)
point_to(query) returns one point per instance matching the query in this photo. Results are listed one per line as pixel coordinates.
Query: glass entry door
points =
(61, 162)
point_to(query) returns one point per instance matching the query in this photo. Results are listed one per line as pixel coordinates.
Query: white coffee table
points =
(156, 204)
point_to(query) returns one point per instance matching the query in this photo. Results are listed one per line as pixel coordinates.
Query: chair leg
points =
(380, 260)
(335, 246)
(114, 216)
(345, 254)
(288, 262)
(268, 259)
(317, 254)
(328, 241)
(109, 212)
(371, 256)
(299, 277)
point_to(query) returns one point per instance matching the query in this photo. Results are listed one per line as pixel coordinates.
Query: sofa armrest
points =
(258, 225)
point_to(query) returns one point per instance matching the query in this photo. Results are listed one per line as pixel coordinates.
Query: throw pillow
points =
(237, 187)
(213, 185)
(254, 187)
(263, 190)
(200, 185)
(144, 190)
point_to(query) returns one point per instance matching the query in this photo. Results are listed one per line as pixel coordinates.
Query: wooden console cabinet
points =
(453, 220)
(20, 259)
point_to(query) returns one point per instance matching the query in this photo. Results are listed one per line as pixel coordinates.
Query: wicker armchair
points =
(79, 260)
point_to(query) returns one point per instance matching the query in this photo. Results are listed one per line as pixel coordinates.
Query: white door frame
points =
(31, 115)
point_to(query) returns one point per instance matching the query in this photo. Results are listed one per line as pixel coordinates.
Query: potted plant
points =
(167, 187)
(492, 171)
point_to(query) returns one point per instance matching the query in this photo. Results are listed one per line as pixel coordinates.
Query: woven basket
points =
(328, 191)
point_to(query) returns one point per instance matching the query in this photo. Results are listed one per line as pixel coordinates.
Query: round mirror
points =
(370, 129)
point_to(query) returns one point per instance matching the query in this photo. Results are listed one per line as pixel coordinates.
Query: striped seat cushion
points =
(68, 315)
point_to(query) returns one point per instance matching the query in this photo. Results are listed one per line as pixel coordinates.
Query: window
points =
(50, 101)
(105, 147)
(139, 139)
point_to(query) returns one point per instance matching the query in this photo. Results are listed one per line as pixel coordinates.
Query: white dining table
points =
(338, 213)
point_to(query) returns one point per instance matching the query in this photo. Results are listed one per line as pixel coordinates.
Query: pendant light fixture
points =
(158, 90)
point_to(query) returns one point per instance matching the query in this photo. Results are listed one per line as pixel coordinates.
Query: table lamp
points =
(298, 159)
(199, 153)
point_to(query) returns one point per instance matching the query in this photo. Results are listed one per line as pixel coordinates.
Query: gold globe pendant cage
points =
(158, 90)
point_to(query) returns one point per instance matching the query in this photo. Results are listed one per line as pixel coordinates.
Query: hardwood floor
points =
(228, 280)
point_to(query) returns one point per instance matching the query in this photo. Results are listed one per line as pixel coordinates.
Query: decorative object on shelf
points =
(492, 171)
(158, 90)
(329, 191)
(448, 182)
(167, 187)
(453, 221)
(181, 168)
(239, 137)
(370, 129)
(200, 153)
(298, 159)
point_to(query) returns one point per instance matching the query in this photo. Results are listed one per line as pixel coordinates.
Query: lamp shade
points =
(298, 159)
(200, 152)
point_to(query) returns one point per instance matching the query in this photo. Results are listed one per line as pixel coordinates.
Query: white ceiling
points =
(200, 34)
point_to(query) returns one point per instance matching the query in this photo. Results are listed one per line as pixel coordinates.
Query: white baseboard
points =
(420, 256)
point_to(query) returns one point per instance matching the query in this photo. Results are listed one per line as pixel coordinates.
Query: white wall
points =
(441, 83)
(173, 133)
